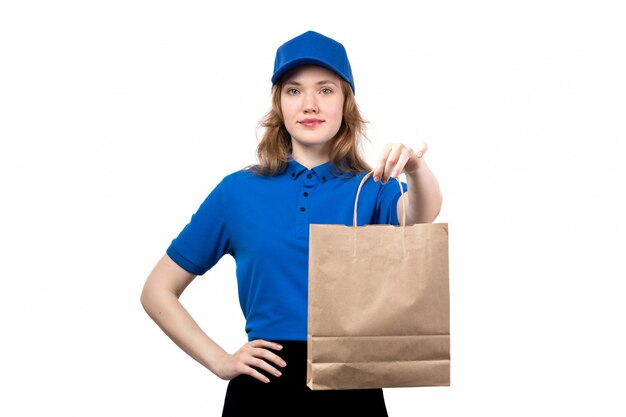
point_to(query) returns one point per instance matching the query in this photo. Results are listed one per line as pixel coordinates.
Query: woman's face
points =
(311, 100)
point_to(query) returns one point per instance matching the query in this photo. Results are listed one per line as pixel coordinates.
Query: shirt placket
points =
(308, 185)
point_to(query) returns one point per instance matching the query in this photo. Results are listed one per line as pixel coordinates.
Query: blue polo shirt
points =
(263, 223)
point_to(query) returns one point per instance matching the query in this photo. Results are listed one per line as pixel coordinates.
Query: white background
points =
(117, 118)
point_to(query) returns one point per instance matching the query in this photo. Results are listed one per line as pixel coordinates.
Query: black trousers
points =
(288, 394)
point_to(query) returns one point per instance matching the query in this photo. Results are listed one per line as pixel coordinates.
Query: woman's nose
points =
(310, 104)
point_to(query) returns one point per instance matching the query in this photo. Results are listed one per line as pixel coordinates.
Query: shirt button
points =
(305, 194)
(309, 176)
(323, 178)
(292, 174)
(301, 208)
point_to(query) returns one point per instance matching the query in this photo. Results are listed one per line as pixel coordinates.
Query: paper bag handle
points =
(358, 191)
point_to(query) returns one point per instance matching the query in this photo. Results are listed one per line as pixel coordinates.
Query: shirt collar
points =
(295, 168)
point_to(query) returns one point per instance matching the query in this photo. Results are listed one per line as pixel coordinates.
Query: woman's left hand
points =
(397, 158)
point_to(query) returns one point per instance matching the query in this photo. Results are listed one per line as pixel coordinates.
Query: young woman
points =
(308, 173)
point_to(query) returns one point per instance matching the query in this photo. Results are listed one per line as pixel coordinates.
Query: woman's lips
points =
(311, 122)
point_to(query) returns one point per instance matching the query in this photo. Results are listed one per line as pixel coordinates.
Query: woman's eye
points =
(326, 91)
(292, 91)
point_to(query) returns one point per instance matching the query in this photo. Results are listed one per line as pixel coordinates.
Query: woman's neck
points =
(310, 158)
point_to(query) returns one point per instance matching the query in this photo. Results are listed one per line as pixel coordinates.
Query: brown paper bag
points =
(378, 312)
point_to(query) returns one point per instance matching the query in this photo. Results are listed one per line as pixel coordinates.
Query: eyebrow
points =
(292, 82)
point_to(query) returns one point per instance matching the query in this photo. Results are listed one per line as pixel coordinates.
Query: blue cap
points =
(316, 49)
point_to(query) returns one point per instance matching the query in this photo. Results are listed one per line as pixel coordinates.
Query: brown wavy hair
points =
(345, 147)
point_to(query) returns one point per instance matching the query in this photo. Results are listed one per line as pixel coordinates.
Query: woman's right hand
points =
(254, 354)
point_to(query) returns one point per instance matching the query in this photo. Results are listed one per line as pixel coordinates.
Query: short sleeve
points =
(205, 239)
(386, 202)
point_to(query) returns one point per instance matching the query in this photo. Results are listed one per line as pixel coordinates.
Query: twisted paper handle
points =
(358, 191)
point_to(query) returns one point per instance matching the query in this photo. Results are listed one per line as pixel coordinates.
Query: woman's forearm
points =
(169, 314)
(423, 196)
